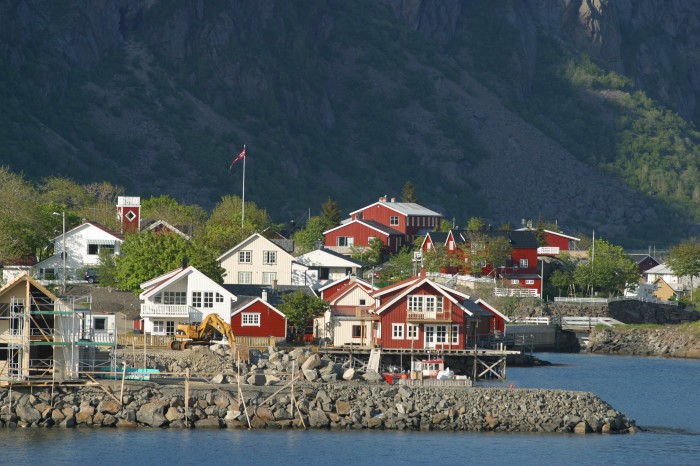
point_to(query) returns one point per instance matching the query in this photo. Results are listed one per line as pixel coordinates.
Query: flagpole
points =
(243, 200)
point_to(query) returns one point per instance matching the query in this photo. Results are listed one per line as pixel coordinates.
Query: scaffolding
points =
(47, 338)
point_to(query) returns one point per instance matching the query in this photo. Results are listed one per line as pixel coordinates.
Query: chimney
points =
(264, 295)
(383, 198)
(274, 285)
(184, 262)
(422, 272)
(393, 199)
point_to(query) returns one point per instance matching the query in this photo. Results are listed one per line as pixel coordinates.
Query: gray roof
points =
(407, 208)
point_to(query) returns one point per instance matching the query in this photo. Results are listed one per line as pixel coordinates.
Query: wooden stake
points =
(102, 387)
(121, 393)
(187, 395)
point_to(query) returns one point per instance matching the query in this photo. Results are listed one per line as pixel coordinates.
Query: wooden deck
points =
(418, 352)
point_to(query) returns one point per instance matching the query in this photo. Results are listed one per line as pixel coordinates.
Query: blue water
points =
(660, 394)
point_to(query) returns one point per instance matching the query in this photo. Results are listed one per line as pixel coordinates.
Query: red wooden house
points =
(255, 317)
(394, 223)
(421, 314)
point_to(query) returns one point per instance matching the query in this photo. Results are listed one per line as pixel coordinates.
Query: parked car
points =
(90, 276)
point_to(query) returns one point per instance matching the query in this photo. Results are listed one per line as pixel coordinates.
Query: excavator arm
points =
(189, 334)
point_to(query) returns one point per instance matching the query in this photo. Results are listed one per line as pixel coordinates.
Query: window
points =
(514, 282)
(245, 278)
(107, 247)
(4, 352)
(245, 257)
(455, 335)
(397, 331)
(93, 249)
(324, 273)
(250, 319)
(411, 332)
(196, 299)
(358, 331)
(219, 298)
(363, 302)
(529, 282)
(345, 241)
(100, 323)
(394, 220)
(269, 257)
(170, 327)
(523, 263)
(158, 326)
(440, 333)
(415, 303)
(208, 299)
(452, 245)
(269, 277)
(172, 297)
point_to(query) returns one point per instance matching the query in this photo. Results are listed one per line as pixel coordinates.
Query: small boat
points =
(429, 368)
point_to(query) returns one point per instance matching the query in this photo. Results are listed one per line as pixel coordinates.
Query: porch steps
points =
(374, 357)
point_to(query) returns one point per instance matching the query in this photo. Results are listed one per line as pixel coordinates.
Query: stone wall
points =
(352, 405)
(678, 341)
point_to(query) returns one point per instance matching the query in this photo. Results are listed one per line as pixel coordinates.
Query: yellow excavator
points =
(187, 335)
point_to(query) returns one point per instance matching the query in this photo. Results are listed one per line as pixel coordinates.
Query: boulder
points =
(311, 375)
(312, 362)
(28, 414)
(342, 407)
(217, 379)
(151, 414)
(372, 376)
(264, 413)
(173, 414)
(349, 374)
(208, 423)
(582, 428)
(108, 406)
(318, 418)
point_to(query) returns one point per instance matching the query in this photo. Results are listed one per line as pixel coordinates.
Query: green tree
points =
(608, 271)
(147, 255)
(482, 249)
(166, 208)
(24, 225)
(107, 269)
(684, 259)
(372, 254)
(300, 308)
(102, 209)
(307, 238)
(65, 192)
(408, 193)
(330, 214)
(399, 266)
(223, 230)
(444, 226)
(476, 224)
(436, 258)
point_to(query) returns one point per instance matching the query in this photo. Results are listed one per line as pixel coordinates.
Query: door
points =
(429, 336)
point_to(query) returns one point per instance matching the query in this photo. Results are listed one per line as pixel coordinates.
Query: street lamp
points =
(63, 281)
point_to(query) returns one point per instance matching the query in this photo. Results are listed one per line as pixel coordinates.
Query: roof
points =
(405, 208)
(326, 258)
(150, 225)
(517, 239)
(160, 282)
(116, 235)
(446, 292)
(245, 302)
(347, 277)
(274, 297)
(369, 224)
(253, 237)
(661, 269)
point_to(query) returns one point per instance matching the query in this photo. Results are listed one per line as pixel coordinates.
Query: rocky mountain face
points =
(342, 101)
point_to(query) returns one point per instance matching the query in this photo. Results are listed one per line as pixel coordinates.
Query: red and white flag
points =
(240, 156)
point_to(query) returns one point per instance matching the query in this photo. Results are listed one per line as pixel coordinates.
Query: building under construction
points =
(44, 338)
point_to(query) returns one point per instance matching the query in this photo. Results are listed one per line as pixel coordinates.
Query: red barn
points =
(254, 317)
(421, 314)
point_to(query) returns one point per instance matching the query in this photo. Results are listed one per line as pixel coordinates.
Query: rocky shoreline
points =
(341, 405)
(675, 341)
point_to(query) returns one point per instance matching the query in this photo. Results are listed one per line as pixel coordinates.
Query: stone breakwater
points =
(321, 406)
(676, 341)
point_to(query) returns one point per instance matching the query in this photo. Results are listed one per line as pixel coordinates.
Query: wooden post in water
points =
(121, 394)
(187, 396)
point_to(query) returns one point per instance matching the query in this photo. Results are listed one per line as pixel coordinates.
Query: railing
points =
(562, 299)
(428, 314)
(169, 310)
(548, 250)
(139, 340)
(588, 322)
(364, 313)
(256, 342)
(518, 292)
(535, 321)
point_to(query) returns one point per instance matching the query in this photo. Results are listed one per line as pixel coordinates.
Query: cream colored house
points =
(257, 261)
(349, 320)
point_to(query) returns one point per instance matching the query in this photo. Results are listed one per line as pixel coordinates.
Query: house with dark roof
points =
(256, 317)
(321, 266)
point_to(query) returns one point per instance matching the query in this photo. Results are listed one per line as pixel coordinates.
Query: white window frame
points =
(455, 334)
(397, 331)
(250, 319)
(515, 281)
(197, 299)
(219, 298)
(245, 257)
(411, 332)
(268, 277)
(441, 334)
(158, 327)
(529, 282)
(245, 278)
(269, 257)
(208, 301)
(393, 220)
(524, 263)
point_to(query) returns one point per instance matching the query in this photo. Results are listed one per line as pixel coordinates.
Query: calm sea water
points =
(660, 394)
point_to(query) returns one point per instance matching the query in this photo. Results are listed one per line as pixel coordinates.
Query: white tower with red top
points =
(129, 213)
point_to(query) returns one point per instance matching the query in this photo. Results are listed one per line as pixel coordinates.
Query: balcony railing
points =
(171, 310)
(365, 314)
(428, 315)
(546, 250)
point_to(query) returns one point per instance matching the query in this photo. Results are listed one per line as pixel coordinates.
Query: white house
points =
(180, 296)
(83, 245)
(257, 261)
(322, 266)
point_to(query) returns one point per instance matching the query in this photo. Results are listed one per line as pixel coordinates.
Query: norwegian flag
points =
(240, 156)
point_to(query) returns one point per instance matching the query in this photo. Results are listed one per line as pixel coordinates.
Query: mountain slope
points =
(332, 99)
